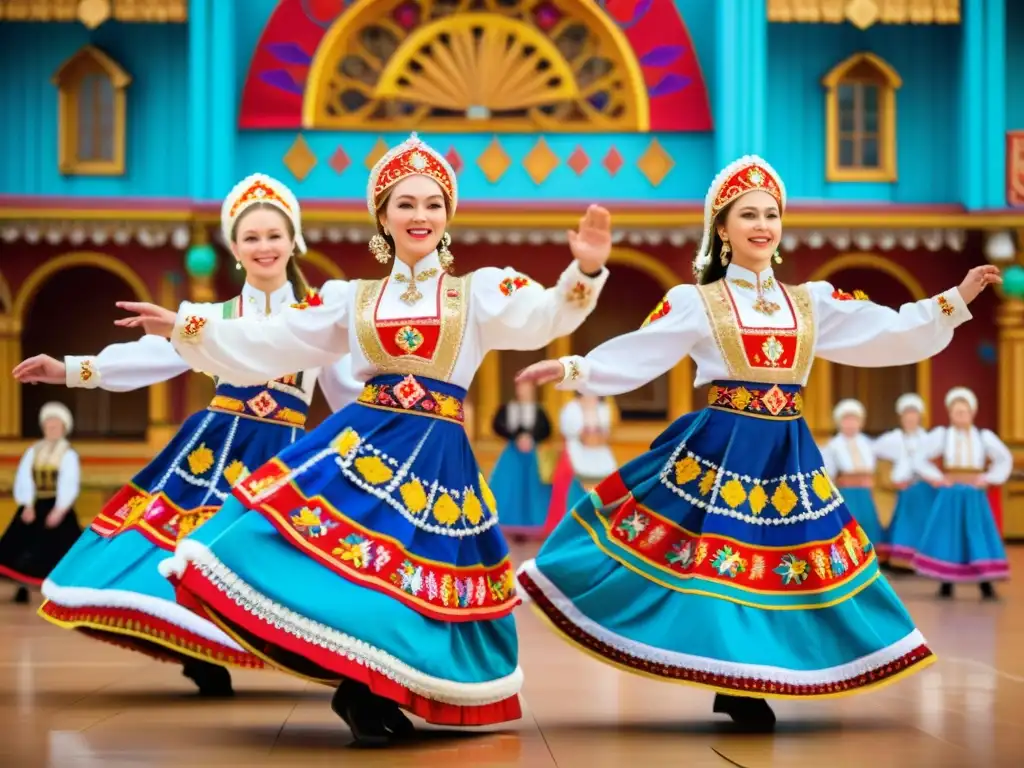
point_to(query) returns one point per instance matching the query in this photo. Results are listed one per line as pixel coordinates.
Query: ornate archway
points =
(819, 386)
(159, 394)
(10, 349)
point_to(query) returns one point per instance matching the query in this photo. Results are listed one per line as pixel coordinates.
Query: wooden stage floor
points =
(67, 701)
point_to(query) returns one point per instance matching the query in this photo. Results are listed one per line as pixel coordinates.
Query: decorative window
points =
(484, 65)
(92, 113)
(860, 120)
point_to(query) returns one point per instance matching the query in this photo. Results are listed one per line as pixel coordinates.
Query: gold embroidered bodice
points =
(423, 346)
(765, 355)
(46, 468)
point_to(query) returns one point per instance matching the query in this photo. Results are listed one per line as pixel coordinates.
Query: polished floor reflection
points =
(71, 702)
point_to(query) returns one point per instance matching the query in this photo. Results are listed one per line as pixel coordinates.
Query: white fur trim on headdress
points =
(260, 188)
(848, 407)
(910, 401)
(962, 393)
(413, 157)
(703, 256)
(59, 411)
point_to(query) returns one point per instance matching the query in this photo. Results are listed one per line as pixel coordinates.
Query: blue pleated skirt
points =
(861, 504)
(909, 519)
(961, 542)
(724, 557)
(522, 498)
(370, 550)
(109, 585)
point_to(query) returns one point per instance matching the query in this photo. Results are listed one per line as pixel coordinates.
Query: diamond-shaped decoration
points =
(262, 404)
(454, 160)
(862, 13)
(494, 161)
(299, 159)
(339, 161)
(612, 161)
(655, 163)
(379, 150)
(540, 161)
(578, 161)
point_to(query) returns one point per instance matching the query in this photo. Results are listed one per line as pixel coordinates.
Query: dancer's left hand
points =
(55, 517)
(977, 280)
(591, 244)
(151, 318)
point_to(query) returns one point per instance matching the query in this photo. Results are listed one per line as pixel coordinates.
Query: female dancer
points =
(961, 542)
(369, 553)
(724, 557)
(109, 586)
(914, 494)
(586, 424)
(45, 526)
(519, 491)
(849, 459)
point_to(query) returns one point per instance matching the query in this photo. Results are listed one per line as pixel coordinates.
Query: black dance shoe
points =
(751, 715)
(214, 682)
(363, 712)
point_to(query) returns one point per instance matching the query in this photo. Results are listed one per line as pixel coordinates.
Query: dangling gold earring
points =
(443, 254)
(777, 258)
(724, 256)
(380, 249)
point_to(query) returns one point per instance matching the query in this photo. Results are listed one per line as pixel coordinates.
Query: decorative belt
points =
(965, 473)
(855, 480)
(757, 400)
(262, 407)
(410, 394)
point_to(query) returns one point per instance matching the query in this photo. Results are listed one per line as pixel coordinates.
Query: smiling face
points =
(263, 243)
(753, 228)
(849, 425)
(53, 429)
(960, 414)
(910, 419)
(415, 215)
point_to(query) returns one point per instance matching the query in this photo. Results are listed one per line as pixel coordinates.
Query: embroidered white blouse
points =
(49, 458)
(717, 325)
(900, 448)
(443, 334)
(153, 359)
(588, 461)
(849, 455)
(965, 449)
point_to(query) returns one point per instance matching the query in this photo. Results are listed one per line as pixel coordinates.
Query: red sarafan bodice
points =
(412, 336)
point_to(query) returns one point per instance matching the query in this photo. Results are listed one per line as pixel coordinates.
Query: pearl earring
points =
(238, 264)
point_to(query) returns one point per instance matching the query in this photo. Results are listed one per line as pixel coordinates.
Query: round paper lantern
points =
(201, 260)
(1013, 281)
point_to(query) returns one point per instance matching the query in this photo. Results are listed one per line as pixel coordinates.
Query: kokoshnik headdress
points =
(260, 188)
(748, 174)
(413, 157)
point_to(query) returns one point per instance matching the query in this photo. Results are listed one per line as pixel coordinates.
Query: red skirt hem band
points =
(441, 713)
(21, 578)
(127, 623)
(725, 683)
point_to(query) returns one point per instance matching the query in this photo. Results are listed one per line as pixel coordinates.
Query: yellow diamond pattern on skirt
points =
(784, 499)
(373, 469)
(821, 486)
(733, 493)
(488, 494)
(446, 511)
(686, 470)
(414, 496)
(472, 508)
(708, 482)
(758, 499)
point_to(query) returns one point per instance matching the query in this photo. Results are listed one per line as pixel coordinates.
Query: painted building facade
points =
(896, 127)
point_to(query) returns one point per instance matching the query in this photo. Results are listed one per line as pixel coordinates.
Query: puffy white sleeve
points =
(69, 479)
(633, 359)
(889, 446)
(570, 420)
(867, 335)
(828, 457)
(339, 385)
(933, 446)
(24, 486)
(248, 351)
(125, 367)
(513, 312)
(1000, 459)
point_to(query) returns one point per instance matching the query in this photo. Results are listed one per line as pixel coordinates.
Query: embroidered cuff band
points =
(81, 372)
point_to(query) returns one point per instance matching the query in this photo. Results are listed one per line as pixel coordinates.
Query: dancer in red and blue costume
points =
(724, 556)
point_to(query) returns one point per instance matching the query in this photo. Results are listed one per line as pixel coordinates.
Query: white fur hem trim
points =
(340, 644)
(853, 669)
(82, 597)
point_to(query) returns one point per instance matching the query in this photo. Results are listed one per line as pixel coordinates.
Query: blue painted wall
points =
(927, 58)
(155, 55)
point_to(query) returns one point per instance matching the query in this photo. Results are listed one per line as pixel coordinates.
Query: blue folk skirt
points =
(370, 550)
(108, 586)
(861, 504)
(909, 519)
(724, 557)
(521, 497)
(961, 542)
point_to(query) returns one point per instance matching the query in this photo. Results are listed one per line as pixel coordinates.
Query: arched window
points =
(475, 65)
(860, 110)
(92, 114)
